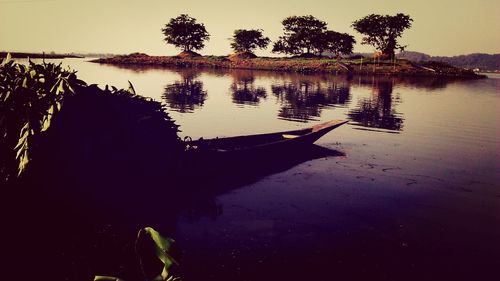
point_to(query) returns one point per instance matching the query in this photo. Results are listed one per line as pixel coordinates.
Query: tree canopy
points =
(336, 43)
(184, 32)
(382, 31)
(309, 35)
(301, 35)
(248, 40)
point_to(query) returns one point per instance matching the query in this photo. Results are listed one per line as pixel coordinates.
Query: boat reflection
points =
(95, 221)
(187, 94)
(302, 100)
(377, 111)
(243, 89)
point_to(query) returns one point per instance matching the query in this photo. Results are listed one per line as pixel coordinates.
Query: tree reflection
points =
(427, 83)
(303, 100)
(378, 111)
(243, 89)
(187, 94)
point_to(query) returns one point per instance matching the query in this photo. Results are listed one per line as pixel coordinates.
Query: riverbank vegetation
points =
(36, 97)
(68, 148)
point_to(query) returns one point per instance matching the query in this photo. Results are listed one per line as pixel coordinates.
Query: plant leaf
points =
(23, 161)
(131, 88)
(24, 129)
(162, 246)
(60, 88)
(48, 119)
(7, 58)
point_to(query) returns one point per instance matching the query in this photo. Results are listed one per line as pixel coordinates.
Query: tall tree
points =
(382, 31)
(185, 33)
(248, 40)
(301, 36)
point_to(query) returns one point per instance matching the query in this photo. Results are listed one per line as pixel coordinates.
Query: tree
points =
(302, 35)
(184, 32)
(336, 43)
(382, 31)
(248, 40)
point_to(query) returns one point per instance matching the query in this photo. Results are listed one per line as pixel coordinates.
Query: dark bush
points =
(102, 128)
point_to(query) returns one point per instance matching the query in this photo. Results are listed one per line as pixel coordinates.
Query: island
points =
(307, 44)
(350, 65)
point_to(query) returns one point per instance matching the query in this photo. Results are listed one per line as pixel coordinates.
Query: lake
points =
(413, 192)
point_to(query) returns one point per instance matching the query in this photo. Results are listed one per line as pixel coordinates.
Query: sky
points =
(440, 27)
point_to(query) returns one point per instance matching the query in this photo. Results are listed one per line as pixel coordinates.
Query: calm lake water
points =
(414, 194)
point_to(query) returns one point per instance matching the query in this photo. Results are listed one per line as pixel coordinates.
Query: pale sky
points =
(440, 27)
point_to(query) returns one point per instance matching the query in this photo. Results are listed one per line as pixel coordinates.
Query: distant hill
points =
(484, 62)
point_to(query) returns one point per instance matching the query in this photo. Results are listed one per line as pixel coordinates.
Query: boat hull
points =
(213, 156)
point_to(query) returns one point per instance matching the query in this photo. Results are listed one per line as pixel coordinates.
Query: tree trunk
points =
(388, 52)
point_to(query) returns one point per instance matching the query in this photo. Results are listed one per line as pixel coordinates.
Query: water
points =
(416, 194)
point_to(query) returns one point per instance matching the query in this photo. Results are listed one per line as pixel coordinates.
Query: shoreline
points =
(299, 65)
(21, 55)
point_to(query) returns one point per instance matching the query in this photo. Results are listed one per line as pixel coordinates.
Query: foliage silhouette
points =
(306, 35)
(36, 96)
(336, 43)
(30, 97)
(301, 35)
(185, 33)
(248, 40)
(382, 31)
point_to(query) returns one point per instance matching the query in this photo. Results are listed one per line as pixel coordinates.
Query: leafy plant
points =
(153, 252)
(30, 96)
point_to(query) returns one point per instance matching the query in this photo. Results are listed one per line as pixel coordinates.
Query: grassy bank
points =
(300, 65)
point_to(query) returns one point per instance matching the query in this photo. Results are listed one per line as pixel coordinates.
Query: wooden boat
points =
(234, 161)
(261, 143)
